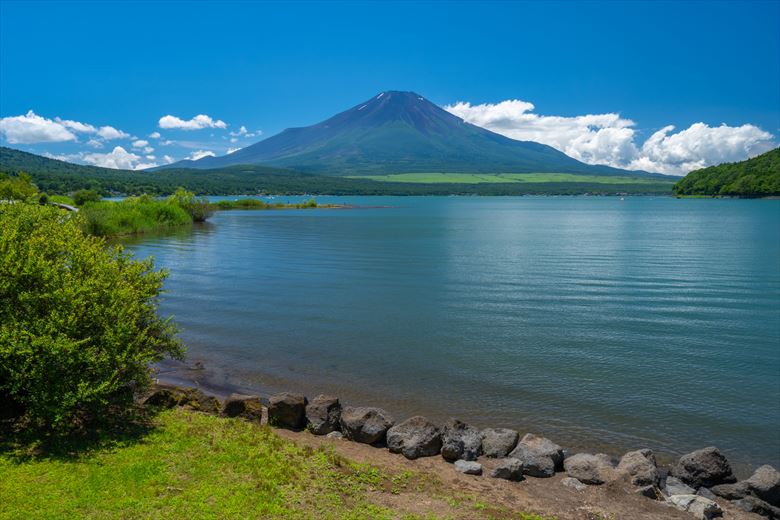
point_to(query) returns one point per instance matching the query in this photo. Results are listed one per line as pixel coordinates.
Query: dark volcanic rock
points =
(247, 407)
(164, 397)
(705, 467)
(287, 410)
(196, 399)
(649, 492)
(765, 484)
(498, 442)
(460, 441)
(468, 467)
(415, 437)
(675, 486)
(753, 504)
(323, 414)
(590, 469)
(365, 424)
(731, 491)
(540, 456)
(640, 467)
(508, 469)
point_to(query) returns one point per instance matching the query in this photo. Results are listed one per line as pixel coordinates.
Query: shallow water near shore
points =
(602, 323)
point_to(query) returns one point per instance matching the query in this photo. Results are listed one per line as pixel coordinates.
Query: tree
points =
(16, 187)
(81, 197)
(78, 320)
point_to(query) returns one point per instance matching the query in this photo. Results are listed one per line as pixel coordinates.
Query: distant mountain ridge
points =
(398, 132)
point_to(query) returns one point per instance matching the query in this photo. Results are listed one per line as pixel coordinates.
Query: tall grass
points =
(132, 215)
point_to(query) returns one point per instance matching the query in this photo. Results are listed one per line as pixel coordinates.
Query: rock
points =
(706, 493)
(365, 424)
(589, 469)
(765, 484)
(649, 492)
(198, 400)
(675, 486)
(468, 467)
(460, 441)
(702, 508)
(541, 447)
(508, 469)
(731, 491)
(164, 397)
(640, 467)
(705, 467)
(755, 505)
(245, 406)
(334, 435)
(287, 410)
(323, 414)
(415, 437)
(498, 442)
(573, 483)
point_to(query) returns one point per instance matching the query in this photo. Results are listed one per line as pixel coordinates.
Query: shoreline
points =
(196, 374)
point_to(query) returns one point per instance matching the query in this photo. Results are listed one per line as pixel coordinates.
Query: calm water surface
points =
(602, 323)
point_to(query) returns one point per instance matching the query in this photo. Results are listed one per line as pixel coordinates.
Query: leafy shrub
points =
(16, 187)
(199, 209)
(78, 320)
(132, 215)
(81, 197)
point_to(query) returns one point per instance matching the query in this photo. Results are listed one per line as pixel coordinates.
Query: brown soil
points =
(438, 490)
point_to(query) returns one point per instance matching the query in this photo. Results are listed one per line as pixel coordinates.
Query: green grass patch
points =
(261, 204)
(478, 178)
(132, 215)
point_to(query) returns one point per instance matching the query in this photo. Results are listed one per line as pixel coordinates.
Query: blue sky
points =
(635, 68)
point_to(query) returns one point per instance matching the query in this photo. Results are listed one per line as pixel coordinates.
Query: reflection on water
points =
(643, 322)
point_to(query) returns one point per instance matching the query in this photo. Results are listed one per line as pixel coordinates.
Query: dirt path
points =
(440, 491)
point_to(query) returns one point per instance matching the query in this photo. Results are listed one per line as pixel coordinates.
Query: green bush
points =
(199, 209)
(78, 320)
(81, 197)
(16, 187)
(132, 215)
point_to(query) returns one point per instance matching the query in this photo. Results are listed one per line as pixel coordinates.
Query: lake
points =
(602, 323)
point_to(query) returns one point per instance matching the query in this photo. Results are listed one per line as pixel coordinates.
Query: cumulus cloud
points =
(95, 143)
(148, 149)
(109, 132)
(76, 126)
(611, 139)
(168, 159)
(243, 132)
(140, 143)
(32, 128)
(155, 135)
(200, 154)
(231, 150)
(118, 158)
(196, 123)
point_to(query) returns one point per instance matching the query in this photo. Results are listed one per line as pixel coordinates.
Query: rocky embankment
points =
(696, 483)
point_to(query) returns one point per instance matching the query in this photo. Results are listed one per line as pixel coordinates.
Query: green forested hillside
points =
(756, 177)
(52, 176)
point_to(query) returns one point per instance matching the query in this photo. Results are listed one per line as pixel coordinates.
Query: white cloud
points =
(109, 132)
(234, 139)
(140, 143)
(200, 154)
(243, 132)
(32, 128)
(611, 139)
(148, 149)
(76, 126)
(168, 159)
(143, 166)
(118, 158)
(196, 123)
(151, 157)
(155, 135)
(231, 150)
(95, 143)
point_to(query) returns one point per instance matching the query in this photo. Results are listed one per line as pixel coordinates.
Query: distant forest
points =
(756, 177)
(53, 176)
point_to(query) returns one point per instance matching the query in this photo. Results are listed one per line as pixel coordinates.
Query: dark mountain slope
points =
(756, 177)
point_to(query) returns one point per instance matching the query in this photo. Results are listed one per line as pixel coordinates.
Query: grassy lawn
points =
(193, 465)
(476, 178)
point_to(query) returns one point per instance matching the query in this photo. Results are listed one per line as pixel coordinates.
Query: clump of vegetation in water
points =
(78, 320)
(133, 215)
(199, 209)
(261, 204)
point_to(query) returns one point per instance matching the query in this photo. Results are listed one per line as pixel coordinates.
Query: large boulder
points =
(540, 456)
(247, 407)
(287, 410)
(590, 469)
(498, 442)
(508, 469)
(196, 399)
(701, 508)
(415, 437)
(365, 424)
(765, 484)
(640, 466)
(705, 467)
(164, 396)
(755, 505)
(323, 414)
(460, 441)
(733, 491)
(675, 486)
